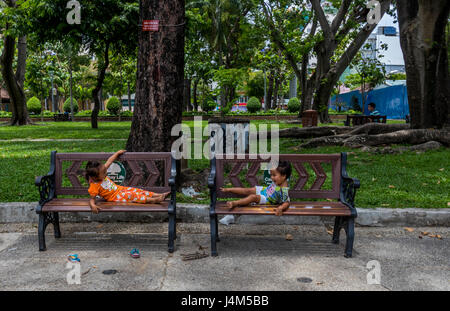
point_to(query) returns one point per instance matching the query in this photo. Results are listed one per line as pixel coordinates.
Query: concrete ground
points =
(251, 257)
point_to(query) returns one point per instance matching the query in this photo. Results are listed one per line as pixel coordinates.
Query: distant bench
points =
(360, 119)
(343, 190)
(141, 168)
(61, 117)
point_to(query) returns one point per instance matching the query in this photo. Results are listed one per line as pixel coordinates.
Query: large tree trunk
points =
(422, 38)
(160, 76)
(14, 82)
(187, 95)
(328, 74)
(194, 91)
(268, 105)
(102, 66)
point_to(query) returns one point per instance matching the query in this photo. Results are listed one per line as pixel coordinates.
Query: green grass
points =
(391, 180)
(67, 130)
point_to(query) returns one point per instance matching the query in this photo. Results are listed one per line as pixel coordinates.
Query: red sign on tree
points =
(150, 25)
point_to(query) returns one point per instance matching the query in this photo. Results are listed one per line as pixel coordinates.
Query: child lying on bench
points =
(102, 185)
(276, 194)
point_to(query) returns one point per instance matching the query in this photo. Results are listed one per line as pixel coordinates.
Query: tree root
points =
(306, 132)
(411, 136)
(430, 145)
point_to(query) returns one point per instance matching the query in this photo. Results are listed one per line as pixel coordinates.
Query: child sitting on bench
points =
(100, 184)
(276, 194)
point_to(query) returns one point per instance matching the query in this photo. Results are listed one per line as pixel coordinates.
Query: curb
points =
(23, 212)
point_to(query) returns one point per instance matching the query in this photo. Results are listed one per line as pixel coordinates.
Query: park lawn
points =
(391, 180)
(67, 130)
(107, 130)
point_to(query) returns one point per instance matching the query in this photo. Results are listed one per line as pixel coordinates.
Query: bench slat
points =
(295, 208)
(82, 205)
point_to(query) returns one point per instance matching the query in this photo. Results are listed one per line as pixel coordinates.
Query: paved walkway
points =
(251, 257)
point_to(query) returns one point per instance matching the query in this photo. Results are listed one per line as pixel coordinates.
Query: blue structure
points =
(391, 101)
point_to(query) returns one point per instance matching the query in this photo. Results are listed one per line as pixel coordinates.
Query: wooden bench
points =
(142, 170)
(61, 117)
(355, 120)
(309, 196)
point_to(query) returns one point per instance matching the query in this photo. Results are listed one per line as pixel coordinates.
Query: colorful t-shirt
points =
(107, 189)
(276, 194)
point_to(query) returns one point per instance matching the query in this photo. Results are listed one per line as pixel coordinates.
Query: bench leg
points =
(213, 223)
(350, 231)
(336, 229)
(41, 232)
(171, 232)
(56, 229)
(44, 220)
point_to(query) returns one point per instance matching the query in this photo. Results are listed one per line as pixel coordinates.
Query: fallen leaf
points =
(438, 182)
(289, 237)
(441, 169)
(391, 186)
(99, 226)
(424, 232)
(439, 236)
(330, 231)
(409, 229)
(373, 179)
(378, 236)
(319, 283)
(420, 236)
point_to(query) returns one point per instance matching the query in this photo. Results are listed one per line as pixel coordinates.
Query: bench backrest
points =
(360, 120)
(144, 170)
(313, 175)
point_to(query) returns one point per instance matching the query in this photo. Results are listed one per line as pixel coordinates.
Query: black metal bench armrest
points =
(348, 193)
(46, 188)
(173, 188)
(46, 183)
(348, 186)
(212, 175)
(173, 173)
(212, 187)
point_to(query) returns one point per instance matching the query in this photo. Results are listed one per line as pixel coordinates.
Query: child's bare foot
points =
(164, 195)
(230, 205)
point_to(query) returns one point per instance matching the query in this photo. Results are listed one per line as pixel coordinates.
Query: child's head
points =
(371, 106)
(280, 174)
(95, 171)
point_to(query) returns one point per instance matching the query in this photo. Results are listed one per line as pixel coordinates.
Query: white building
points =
(387, 32)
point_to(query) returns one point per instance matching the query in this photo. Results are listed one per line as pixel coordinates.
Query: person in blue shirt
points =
(372, 110)
(275, 194)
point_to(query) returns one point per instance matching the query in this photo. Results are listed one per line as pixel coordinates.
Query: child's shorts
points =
(133, 195)
(261, 192)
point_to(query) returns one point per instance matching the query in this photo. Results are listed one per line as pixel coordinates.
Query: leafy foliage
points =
(34, 105)
(293, 105)
(114, 106)
(66, 106)
(253, 105)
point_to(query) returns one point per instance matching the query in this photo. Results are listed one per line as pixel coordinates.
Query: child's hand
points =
(95, 209)
(223, 189)
(278, 211)
(120, 152)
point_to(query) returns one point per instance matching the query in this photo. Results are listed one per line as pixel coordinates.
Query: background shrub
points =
(113, 105)
(67, 105)
(34, 105)
(253, 105)
(208, 104)
(293, 105)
